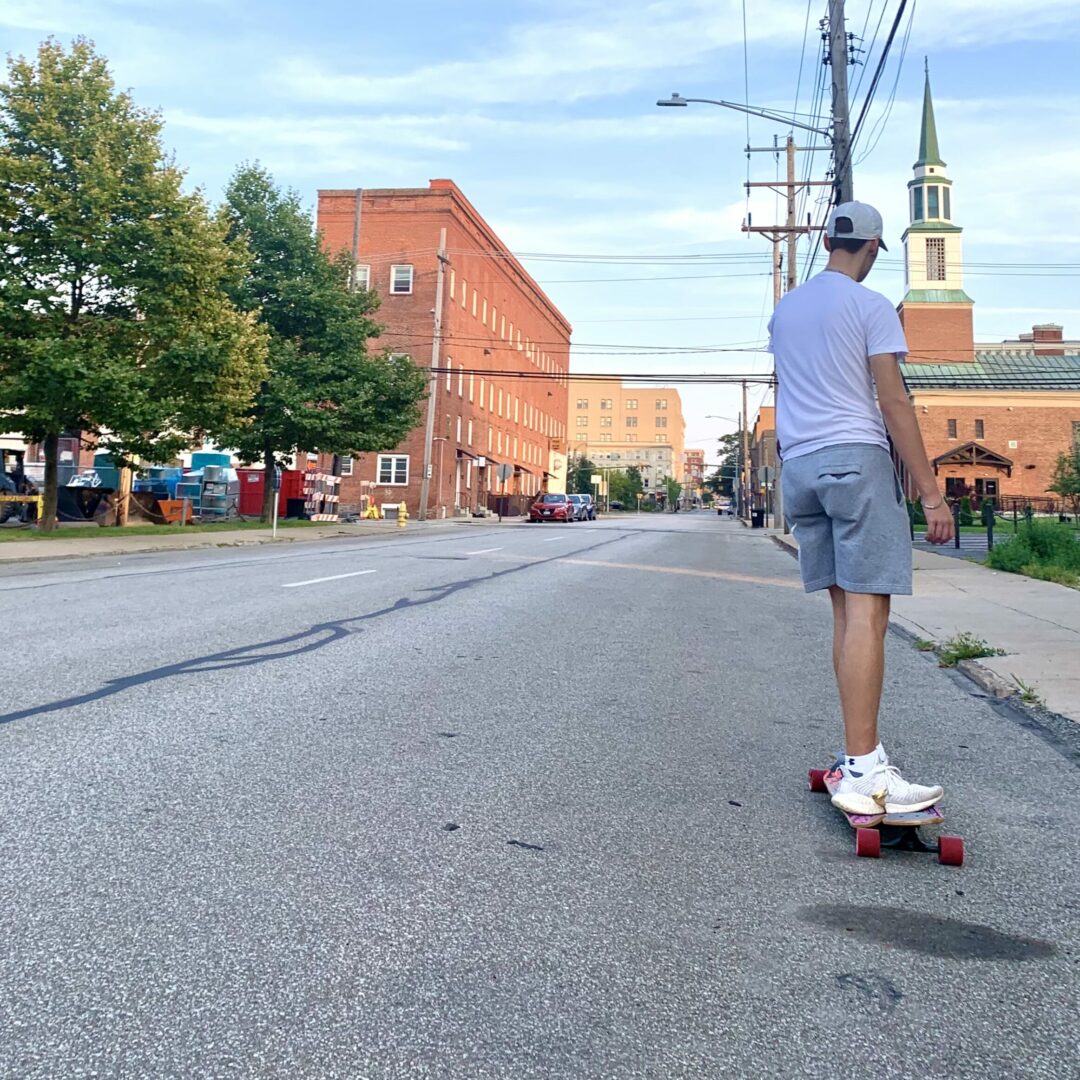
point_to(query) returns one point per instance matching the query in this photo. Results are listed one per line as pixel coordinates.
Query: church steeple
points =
(936, 312)
(929, 154)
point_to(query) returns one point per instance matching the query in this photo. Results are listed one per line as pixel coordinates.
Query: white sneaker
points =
(881, 791)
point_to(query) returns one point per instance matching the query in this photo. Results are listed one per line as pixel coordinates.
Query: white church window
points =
(932, 202)
(946, 208)
(935, 258)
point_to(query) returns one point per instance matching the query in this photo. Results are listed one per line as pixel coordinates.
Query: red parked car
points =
(550, 507)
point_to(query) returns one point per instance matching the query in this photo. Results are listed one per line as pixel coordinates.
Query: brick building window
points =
(661, 421)
(582, 421)
(980, 430)
(605, 403)
(361, 277)
(605, 421)
(346, 466)
(661, 438)
(401, 279)
(935, 258)
(631, 421)
(661, 403)
(393, 468)
(952, 428)
(605, 438)
(582, 403)
(464, 291)
(631, 403)
(449, 373)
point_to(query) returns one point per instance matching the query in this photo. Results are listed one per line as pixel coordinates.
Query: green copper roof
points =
(929, 154)
(937, 296)
(998, 369)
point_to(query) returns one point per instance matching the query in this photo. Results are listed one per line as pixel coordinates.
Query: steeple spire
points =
(929, 154)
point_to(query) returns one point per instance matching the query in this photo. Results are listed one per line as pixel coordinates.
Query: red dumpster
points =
(251, 490)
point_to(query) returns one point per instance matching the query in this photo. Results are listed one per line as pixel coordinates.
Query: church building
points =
(996, 416)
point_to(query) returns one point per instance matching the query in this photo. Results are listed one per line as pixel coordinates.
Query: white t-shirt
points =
(822, 335)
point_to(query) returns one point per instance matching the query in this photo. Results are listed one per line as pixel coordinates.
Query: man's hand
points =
(939, 524)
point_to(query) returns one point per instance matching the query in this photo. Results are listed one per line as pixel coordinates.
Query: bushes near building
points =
(1040, 549)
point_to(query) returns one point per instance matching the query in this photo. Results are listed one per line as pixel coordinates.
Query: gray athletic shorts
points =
(847, 511)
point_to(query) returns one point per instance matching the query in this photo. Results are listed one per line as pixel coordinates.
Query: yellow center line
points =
(716, 575)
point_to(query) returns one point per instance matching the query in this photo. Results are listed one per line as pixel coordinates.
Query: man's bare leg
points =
(859, 624)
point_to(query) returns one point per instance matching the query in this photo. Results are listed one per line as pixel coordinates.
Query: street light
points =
(681, 102)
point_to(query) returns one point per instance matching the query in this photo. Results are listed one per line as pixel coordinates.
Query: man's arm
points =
(903, 428)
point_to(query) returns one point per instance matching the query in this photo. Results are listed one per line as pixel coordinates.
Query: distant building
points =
(693, 473)
(502, 398)
(994, 417)
(618, 426)
(763, 455)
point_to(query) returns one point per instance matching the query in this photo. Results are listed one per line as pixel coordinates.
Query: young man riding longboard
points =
(835, 342)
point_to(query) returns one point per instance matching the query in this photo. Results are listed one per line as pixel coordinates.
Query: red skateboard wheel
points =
(950, 851)
(817, 780)
(868, 843)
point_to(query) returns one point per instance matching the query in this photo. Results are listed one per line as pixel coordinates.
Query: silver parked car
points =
(581, 511)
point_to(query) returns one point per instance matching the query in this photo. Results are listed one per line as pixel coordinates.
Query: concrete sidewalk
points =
(114, 542)
(1037, 623)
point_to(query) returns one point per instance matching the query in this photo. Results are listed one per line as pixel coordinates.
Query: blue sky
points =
(544, 114)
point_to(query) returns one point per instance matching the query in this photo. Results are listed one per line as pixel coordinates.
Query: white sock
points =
(857, 765)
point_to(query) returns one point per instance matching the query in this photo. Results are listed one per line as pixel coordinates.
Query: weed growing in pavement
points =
(965, 646)
(1027, 692)
(924, 645)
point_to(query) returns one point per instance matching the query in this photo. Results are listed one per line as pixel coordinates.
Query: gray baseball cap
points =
(855, 221)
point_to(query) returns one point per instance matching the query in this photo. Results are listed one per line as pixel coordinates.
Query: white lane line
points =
(483, 551)
(552, 539)
(318, 580)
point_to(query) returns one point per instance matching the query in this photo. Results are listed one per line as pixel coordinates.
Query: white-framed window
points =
(393, 469)
(361, 276)
(605, 421)
(491, 398)
(470, 433)
(661, 403)
(605, 403)
(502, 332)
(631, 403)
(500, 403)
(346, 466)
(464, 291)
(606, 437)
(471, 378)
(519, 341)
(483, 308)
(515, 446)
(474, 301)
(401, 279)
(582, 421)
(453, 284)
(631, 421)
(491, 437)
(661, 421)
(449, 373)
(457, 437)
(582, 403)
(511, 337)
(461, 380)
(661, 438)
(517, 406)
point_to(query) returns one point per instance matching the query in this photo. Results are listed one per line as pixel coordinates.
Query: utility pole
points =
(778, 234)
(436, 349)
(745, 472)
(838, 60)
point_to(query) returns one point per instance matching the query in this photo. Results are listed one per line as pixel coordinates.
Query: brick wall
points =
(1039, 424)
(938, 333)
(500, 334)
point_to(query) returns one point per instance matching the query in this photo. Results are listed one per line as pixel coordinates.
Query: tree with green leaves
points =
(324, 391)
(624, 485)
(579, 474)
(673, 490)
(1066, 479)
(114, 316)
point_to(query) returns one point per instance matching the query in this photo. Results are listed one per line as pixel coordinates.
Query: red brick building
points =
(994, 417)
(503, 353)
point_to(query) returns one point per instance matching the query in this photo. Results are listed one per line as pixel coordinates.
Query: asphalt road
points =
(516, 802)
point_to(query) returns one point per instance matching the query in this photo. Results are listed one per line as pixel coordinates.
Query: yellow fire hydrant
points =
(402, 515)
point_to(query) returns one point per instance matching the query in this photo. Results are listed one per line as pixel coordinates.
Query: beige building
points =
(618, 426)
